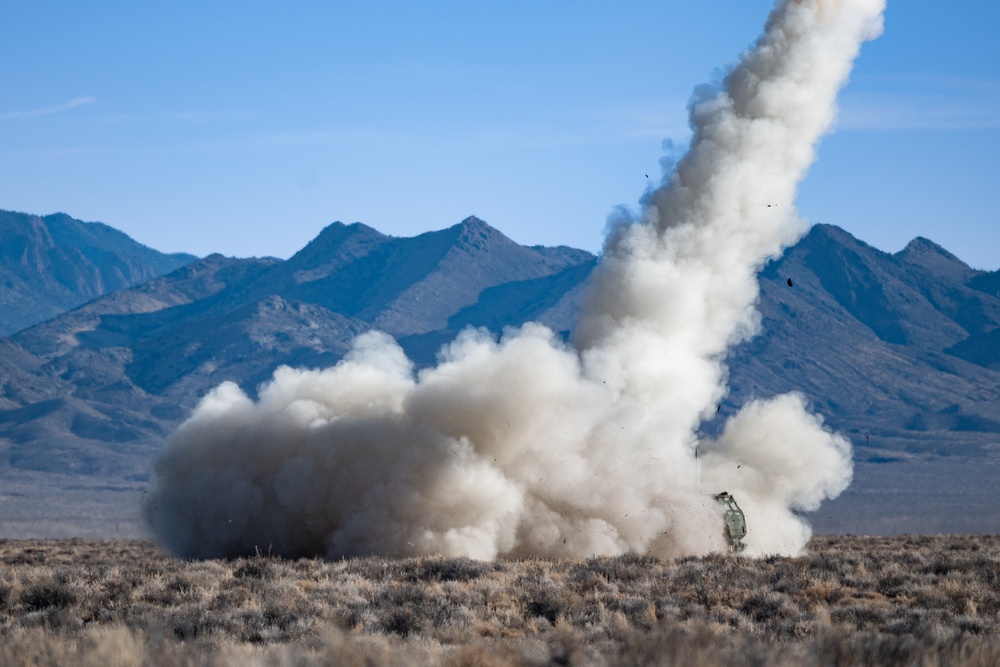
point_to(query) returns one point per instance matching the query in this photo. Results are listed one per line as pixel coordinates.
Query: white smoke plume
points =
(527, 446)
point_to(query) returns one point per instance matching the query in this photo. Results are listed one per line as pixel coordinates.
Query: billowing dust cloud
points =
(527, 446)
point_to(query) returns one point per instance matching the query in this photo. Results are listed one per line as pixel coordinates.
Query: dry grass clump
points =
(852, 600)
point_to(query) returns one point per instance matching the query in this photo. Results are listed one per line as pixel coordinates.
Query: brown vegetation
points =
(852, 600)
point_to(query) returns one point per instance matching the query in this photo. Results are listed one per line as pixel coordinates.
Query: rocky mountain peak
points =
(335, 246)
(929, 255)
(474, 235)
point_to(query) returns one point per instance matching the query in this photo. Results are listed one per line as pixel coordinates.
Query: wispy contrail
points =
(47, 111)
(530, 447)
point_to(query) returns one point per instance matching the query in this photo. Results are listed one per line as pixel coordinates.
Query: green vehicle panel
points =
(736, 522)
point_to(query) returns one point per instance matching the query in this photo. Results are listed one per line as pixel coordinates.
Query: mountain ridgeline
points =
(53, 263)
(900, 352)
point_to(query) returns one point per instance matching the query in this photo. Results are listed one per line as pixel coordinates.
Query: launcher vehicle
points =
(736, 523)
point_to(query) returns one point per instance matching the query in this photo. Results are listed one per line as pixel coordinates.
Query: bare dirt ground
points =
(906, 600)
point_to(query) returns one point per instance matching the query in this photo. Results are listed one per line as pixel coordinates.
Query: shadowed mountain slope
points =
(128, 366)
(53, 263)
(865, 335)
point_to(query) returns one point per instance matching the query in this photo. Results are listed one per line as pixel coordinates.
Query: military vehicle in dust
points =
(736, 523)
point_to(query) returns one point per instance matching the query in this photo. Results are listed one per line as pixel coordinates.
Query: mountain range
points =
(51, 264)
(900, 352)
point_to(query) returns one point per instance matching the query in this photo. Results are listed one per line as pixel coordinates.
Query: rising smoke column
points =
(527, 446)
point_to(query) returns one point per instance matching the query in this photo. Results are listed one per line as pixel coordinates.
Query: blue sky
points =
(246, 127)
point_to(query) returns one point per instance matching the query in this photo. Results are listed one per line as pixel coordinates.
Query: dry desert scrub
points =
(852, 600)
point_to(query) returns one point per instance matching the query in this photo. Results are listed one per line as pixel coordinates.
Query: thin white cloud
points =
(909, 112)
(922, 102)
(645, 120)
(183, 117)
(209, 116)
(48, 111)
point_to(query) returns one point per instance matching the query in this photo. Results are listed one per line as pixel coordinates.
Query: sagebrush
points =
(851, 600)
